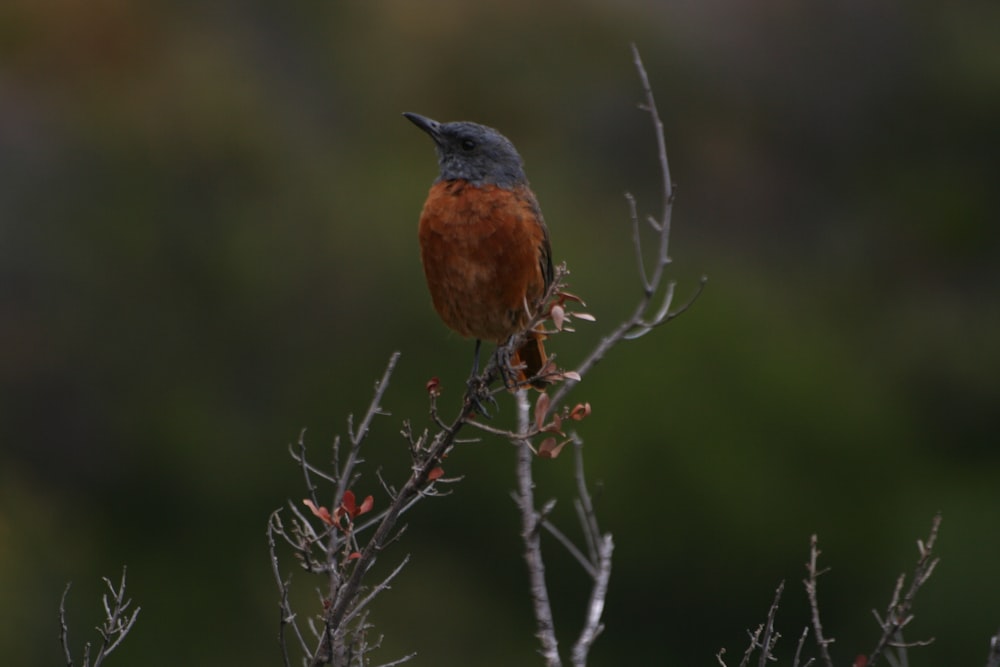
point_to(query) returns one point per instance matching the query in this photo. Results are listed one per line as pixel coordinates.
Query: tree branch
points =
(531, 537)
(810, 584)
(118, 623)
(898, 614)
(641, 322)
(993, 659)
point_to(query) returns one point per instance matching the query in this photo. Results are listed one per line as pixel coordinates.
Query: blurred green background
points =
(208, 242)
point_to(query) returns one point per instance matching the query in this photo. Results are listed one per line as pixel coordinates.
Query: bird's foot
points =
(478, 392)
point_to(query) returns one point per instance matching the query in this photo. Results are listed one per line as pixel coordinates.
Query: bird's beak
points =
(431, 127)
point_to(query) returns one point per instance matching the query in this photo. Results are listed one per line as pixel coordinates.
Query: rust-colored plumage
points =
(483, 242)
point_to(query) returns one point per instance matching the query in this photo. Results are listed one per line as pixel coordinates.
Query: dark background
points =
(208, 242)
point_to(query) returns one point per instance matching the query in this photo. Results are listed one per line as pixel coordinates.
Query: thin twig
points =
(429, 459)
(400, 661)
(573, 550)
(593, 626)
(638, 324)
(378, 589)
(118, 622)
(287, 616)
(752, 646)
(584, 503)
(374, 408)
(661, 144)
(810, 584)
(899, 613)
(798, 649)
(64, 628)
(770, 636)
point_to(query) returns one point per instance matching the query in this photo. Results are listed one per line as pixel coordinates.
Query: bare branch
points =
(287, 615)
(593, 626)
(584, 503)
(357, 437)
(752, 646)
(661, 145)
(532, 541)
(798, 649)
(64, 628)
(405, 658)
(118, 623)
(633, 214)
(378, 589)
(810, 584)
(652, 281)
(770, 635)
(993, 659)
(567, 543)
(898, 614)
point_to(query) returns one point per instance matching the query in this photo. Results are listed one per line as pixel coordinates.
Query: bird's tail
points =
(531, 360)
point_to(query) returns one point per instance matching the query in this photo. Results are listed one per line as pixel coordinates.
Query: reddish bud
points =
(435, 474)
(580, 411)
(433, 387)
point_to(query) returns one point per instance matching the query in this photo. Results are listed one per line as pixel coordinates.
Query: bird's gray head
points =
(473, 152)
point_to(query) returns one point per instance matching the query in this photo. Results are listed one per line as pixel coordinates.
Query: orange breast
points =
(484, 250)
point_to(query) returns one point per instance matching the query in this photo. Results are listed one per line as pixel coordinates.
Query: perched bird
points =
(483, 242)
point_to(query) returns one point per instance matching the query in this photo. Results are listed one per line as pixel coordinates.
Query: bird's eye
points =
(468, 144)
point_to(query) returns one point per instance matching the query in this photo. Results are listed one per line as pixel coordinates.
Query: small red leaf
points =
(580, 411)
(433, 386)
(347, 502)
(554, 426)
(434, 474)
(550, 448)
(541, 409)
(321, 512)
(354, 556)
(366, 505)
(860, 661)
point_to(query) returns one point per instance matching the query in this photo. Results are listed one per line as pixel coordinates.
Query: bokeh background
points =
(207, 244)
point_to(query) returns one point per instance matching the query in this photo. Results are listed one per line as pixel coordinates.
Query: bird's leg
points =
(478, 387)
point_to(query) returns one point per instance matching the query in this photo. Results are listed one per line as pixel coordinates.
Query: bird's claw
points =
(478, 392)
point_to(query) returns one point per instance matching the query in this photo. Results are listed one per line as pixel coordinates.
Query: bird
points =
(484, 245)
